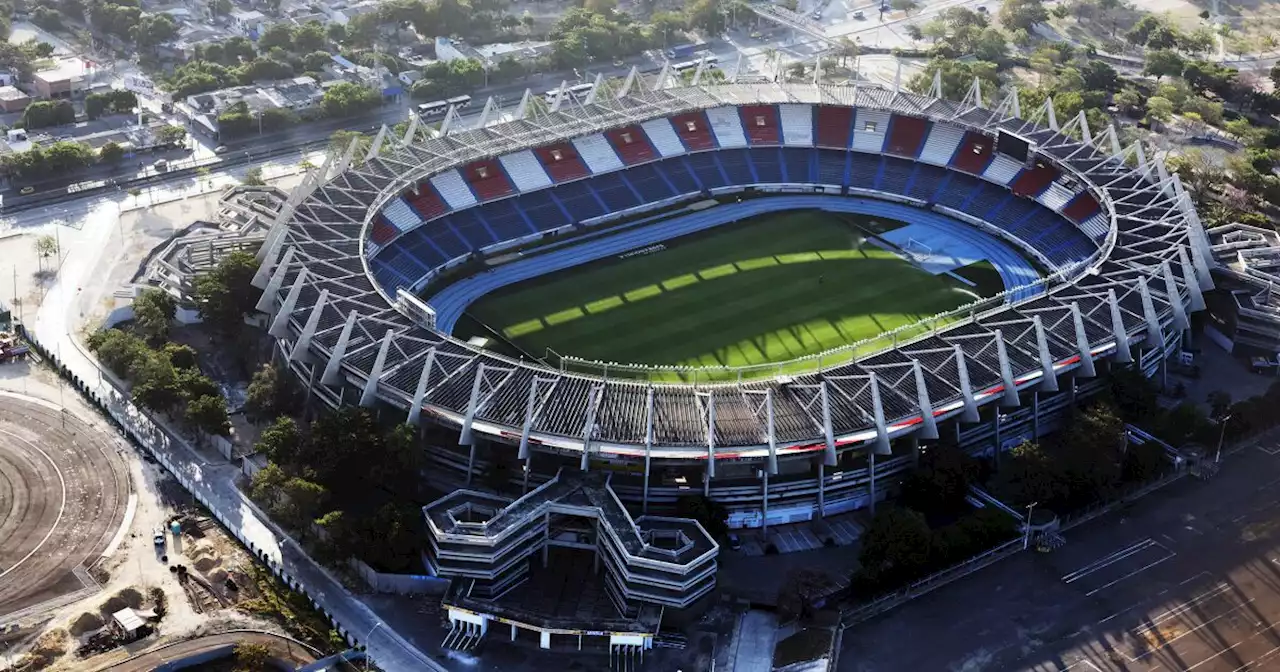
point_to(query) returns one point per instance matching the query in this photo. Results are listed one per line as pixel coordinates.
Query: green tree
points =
(209, 414)
(267, 485)
(269, 394)
(46, 246)
(895, 546)
(1023, 14)
(905, 6)
(253, 177)
(119, 351)
(250, 657)
(180, 355)
(1159, 109)
(153, 310)
(310, 37)
(276, 35)
(281, 442)
(155, 385)
(226, 294)
(110, 152)
(1163, 63)
(347, 99)
(301, 503)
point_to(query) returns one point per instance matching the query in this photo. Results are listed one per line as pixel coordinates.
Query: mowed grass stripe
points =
(740, 296)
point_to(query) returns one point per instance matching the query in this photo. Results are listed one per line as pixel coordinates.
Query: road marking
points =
(1169, 642)
(61, 507)
(1131, 574)
(1084, 661)
(1110, 559)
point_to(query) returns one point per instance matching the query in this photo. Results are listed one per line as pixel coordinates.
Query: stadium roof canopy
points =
(329, 313)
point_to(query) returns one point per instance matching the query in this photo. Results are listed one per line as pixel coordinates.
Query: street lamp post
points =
(1222, 433)
(1026, 536)
(367, 639)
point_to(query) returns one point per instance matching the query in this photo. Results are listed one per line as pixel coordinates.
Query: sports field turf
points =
(768, 289)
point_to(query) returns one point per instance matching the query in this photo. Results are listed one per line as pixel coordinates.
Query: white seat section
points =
(1055, 197)
(1096, 226)
(453, 189)
(401, 215)
(797, 125)
(869, 128)
(941, 144)
(525, 171)
(597, 153)
(371, 249)
(1002, 170)
(726, 123)
(664, 137)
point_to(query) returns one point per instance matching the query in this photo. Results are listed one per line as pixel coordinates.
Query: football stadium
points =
(765, 292)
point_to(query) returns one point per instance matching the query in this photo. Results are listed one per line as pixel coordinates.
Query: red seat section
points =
(834, 126)
(631, 144)
(906, 135)
(694, 130)
(974, 153)
(1035, 180)
(487, 179)
(383, 232)
(1081, 207)
(427, 202)
(561, 162)
(761, 124)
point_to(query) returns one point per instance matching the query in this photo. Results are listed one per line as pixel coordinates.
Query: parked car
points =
(859, 15)
(220, 149)
(158, 537)
(27, 190)
(735, 542)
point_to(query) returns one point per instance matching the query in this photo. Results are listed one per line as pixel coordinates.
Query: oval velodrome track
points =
(63, 493)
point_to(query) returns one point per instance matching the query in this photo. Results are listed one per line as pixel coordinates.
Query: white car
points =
(158, 537)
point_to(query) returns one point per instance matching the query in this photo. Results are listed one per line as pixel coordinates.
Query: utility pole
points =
(1026, 537)
(1222, 433)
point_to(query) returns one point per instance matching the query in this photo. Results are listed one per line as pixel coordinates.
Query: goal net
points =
(917, 251)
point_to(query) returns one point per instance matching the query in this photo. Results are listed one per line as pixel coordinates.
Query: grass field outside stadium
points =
(764, 290)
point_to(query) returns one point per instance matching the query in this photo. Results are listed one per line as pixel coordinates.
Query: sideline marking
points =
(1110, 559)
(61, 507)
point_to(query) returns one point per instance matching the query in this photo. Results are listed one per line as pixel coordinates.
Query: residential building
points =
(60, 81)
(13, 100)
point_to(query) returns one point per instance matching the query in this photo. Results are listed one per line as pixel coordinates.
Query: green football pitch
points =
(764, 290)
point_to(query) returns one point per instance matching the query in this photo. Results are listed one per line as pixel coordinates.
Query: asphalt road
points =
(63, 492)
(1186, 579)
(281, 647)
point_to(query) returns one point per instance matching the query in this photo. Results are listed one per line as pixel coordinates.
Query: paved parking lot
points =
(807, 536)
(1186, 579)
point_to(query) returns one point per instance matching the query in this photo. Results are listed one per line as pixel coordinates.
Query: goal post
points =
(917, 250)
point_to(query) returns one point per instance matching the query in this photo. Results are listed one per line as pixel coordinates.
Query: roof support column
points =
(881, 444)
(302, 347)
(711, 436)
(420, 393)
(1190, 280)
(1010, 398)
(1175, 298)
(1048, 379)
(466, 437)
(280, 325)
(1082, 343)
(770, 430)
(1155, 337)
(829, 456)
(648, 445)
(1118, 332)
(528, 419)
(370, 394)
(928, 423)
(970, 413)
(330, 376)
(268, 298)
(588, 427)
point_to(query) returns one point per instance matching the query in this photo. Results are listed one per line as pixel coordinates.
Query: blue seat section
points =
(984, 200)
(768, 166)
(1014, 214)
(615, 193)
(540, 209)
(863, 169)
(397, 270)
(645, 179)
(926, 181)
(678, 175)
(452, 301)
(467, 223)
(424, 246)
(796, 163)
(895, 175)
(506, 221)
(737, 165)
(831, 166)
(957, 189)
(579, 200)
(703, 165)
